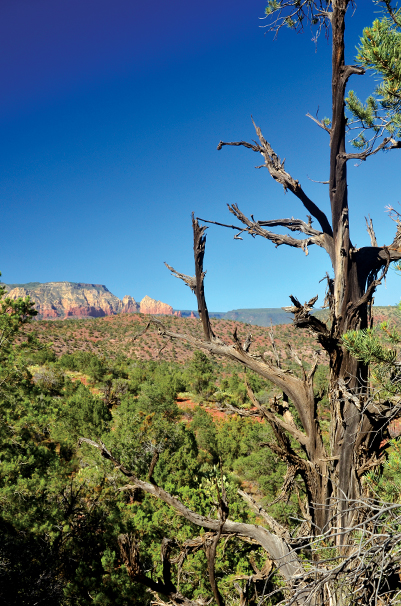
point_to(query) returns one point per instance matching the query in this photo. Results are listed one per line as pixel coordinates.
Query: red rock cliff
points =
(78, 300)
(151, 306)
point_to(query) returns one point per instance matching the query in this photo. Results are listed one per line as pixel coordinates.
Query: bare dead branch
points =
(141, 332)
(210, 550)
(348, 70)
(153, 463)
(189, 280)
(371, 151)
(274, 348)
(243, 593)
(271, 522)
(319, 123)
(271, 417)
(371, 231)
(254, 228)
(199, 253)
(295, 356)
(321, 182)
(293, 225)
(362, 572)
(247, 343)
(303, 319)
(165, 551)
(276, 169)
(197, 283)
(130, 556)
(159, 352)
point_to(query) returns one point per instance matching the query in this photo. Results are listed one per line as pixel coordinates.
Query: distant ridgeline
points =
(275, 315)
(78, 300)
(257, 317)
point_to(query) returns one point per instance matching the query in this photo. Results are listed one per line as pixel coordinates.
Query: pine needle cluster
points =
(380, 348)
(379, 51)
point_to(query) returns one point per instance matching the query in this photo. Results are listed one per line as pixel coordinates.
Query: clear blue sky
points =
(110, 114)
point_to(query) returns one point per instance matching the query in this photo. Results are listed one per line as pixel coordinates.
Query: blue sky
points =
(110, 114)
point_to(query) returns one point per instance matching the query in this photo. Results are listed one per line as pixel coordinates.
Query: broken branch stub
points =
(196, 283)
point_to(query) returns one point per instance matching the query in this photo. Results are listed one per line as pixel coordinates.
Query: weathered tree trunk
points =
(347, 288)
(349, 300)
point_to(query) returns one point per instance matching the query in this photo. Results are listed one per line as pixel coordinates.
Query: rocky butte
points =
(79, 300)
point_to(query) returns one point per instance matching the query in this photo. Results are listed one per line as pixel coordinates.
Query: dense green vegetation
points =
(63, 507)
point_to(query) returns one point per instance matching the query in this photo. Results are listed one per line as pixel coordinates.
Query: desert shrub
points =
(50, 379)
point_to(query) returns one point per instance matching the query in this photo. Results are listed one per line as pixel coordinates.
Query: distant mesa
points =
(79, 300)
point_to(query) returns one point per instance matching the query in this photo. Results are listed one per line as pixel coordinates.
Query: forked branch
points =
(275, 166)
(304, 319)
(255, 228)
(371, 232)
(130, 556)
(371, 150)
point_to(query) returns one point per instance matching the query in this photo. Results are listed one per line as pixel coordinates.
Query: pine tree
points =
(380, 116)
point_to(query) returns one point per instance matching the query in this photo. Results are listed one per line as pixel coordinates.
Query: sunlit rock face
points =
(151, 306)
(79, 300)
(70, 299)
(129, 305)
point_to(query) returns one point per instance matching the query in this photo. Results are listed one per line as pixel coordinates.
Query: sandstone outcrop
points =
(153, 307)
(129, 305)
(79, 300)
(69, 299)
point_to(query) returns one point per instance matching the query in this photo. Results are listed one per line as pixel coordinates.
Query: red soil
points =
(215, 414)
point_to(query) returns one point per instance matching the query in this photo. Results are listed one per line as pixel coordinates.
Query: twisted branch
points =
(276, 169)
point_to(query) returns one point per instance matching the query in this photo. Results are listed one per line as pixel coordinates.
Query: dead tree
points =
(331, 474)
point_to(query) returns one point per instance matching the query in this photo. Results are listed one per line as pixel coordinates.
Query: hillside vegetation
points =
(165, 412)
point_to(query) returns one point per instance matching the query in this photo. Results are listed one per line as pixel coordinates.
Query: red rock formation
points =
(84, 312)
(67, 299)
(71, 300)
(129, 305)
(192, 315)
(178, 314)
(49, 312)
(151, 306)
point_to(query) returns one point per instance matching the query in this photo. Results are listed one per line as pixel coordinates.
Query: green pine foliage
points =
(201, 374)
(379, 51)
(385, 483)
(378, 347)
